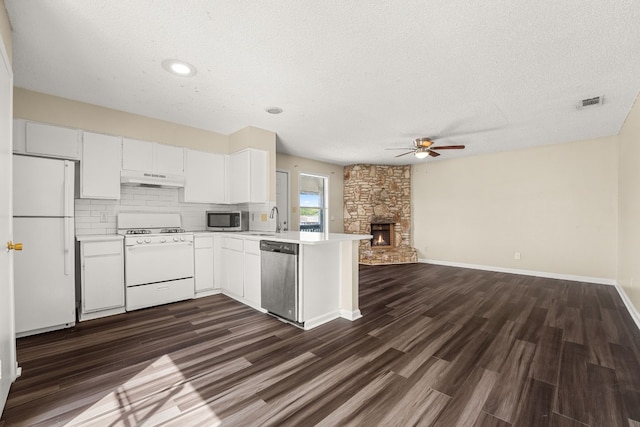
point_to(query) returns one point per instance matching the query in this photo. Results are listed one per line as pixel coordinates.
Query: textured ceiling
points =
(353, 77)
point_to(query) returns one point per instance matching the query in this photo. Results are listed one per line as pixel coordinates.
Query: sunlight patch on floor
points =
(146, 399)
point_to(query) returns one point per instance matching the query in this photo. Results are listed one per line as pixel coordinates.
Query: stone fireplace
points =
(377, 201)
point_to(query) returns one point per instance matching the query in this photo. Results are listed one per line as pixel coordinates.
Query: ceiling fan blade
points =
(448, 147)
(433, 153)
(404, 154)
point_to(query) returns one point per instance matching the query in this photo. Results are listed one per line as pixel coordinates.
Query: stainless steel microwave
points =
(228, 221)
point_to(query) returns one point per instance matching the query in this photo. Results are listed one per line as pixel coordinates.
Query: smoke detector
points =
(590, 102)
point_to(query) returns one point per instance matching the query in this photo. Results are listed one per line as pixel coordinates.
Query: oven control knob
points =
(139, 241)
(182, 239)
(175, 239)
(147, 240)
(163, 240)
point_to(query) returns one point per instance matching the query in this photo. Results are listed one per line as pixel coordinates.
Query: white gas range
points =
(158, 258)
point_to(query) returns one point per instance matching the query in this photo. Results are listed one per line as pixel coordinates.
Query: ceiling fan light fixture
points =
(421, 153)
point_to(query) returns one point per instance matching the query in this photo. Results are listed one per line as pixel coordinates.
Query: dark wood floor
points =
(437, 346)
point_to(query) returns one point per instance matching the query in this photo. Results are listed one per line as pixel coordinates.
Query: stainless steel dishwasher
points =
(279, 272)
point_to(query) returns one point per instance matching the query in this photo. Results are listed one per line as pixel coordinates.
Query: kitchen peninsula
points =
(328, 270)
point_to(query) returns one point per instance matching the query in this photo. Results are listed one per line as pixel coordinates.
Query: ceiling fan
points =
(423, 147)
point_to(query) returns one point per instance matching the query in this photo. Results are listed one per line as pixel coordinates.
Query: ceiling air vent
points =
(590, 102)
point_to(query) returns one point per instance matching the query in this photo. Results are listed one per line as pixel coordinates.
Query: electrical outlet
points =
(104, 216)
(516, 255)
(263, 217)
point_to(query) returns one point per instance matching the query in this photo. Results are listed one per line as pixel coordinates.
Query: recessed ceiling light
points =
(273, 110)
(179, 68)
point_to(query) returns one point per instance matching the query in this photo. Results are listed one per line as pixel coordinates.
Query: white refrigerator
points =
(43, 205)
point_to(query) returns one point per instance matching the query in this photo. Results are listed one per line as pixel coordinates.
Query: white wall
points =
(629, 207)
(556, 205)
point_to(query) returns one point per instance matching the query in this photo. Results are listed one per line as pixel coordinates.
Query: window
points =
(313, 202)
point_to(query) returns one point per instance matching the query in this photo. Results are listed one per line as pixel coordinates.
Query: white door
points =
(7, 326)
(282, 197)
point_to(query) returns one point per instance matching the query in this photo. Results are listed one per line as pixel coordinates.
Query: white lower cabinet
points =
(101, 278)
(233, 262)
(252, 285)
(240, 266)
(203, 265)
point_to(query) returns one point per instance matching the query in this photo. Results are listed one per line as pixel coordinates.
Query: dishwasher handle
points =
(279, 247)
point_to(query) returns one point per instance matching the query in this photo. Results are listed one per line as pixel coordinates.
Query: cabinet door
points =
(137, 155)
(239, 179)
(247, 176)
(102, 276)
(259, 178)
(51, 140)
(100, 166)
(252, 278)
(203, 263)
(233, 271)
(169, 159)
(205, 177)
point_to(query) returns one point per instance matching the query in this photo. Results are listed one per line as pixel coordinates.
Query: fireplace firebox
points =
(382, 235)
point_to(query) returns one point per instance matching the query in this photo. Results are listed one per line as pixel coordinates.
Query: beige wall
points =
(65, 112)
(253, 137)
(629, 207)
(5, 31)
(556, 205)
(297, 165)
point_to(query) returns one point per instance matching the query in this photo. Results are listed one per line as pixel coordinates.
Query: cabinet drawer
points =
(233, 244)
(159, 293)
(252, 246)
(102, 248)
(203, 242)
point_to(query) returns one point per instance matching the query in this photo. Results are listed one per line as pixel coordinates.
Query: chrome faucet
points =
(278, 226)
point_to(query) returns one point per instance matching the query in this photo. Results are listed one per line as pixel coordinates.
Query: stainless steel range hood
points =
(147, 179)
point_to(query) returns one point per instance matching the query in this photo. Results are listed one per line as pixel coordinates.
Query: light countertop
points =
(308, 238)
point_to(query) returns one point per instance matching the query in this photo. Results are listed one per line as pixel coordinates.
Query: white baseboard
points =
(574, 278)
(320, 320)
(350, 315)
(627, 302)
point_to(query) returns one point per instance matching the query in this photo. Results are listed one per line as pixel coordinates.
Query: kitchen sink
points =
(260, 234)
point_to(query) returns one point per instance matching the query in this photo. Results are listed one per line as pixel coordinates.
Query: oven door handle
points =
(135, 246)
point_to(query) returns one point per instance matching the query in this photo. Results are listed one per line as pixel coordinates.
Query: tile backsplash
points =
(93, 216)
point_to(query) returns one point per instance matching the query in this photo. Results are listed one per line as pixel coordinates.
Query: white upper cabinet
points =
(137, 155)
(100, 166)
(45, 140)
(205, 177)
(248, 181)
(145, 156)
(169, 159)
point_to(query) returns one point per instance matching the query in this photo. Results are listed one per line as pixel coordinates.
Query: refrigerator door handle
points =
(68, 244)
(68, 188)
